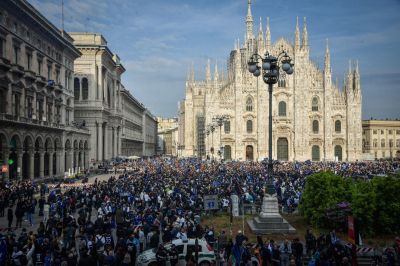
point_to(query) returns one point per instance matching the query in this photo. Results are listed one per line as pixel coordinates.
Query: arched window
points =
(315, 155)
(227, 127)
(315, 126)
(249, 126)
(382, 143)
(391, 143)
(77, 88)
(227, 152)
(338, 152)
(282, 108)
(249, 105)
(314, 104)
(338, 126)
(85, 89)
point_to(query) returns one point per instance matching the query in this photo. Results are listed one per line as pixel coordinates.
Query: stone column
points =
(50, 162)
(31, 163)
(106, 142)
(100, 144)
(71, 159)
(60, 162)
(86, 161)
(19, 165)
(41, 154)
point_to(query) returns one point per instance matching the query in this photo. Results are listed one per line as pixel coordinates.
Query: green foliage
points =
(375, 203)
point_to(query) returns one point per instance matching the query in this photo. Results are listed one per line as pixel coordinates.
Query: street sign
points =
(4, 169)
(211, 202)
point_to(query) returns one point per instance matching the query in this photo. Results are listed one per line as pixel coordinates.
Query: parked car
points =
(205, 251)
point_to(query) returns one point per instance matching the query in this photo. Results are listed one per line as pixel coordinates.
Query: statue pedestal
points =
(270, 221)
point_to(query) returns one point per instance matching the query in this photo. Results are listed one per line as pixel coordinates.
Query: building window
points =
(227, 127)
(16, 54)
(2, 47)
(282, 108)
(382, 132)
(375, 143)
(338, 126)
(76, 88)
(390, 132)
(16, 103)
(397, 132)
(29, 107)
(49, 72)
(249, 126)
(314, 104)
(58, 76)
(315, 154)
(391, 143)
(29, 61)
(49, 112)
(382, 143)
(249, 104)
(375, 131)
(85, 89)
(376, 155)
(39, 108)
(39, 70)
(383, 154)
(3, 100)
(315, 126)
(398, 143)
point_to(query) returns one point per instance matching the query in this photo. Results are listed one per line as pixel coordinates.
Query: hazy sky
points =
(158, 40)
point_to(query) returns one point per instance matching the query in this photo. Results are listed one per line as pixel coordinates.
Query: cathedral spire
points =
(249, 22)
(305, 34)
(208, 71)
(327, 59)
(297, 35)
(216, 74)
(260, 41)
(192, 72)
(267, 36)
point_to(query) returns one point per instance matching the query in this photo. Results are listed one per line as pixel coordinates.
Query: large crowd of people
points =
(147, 202)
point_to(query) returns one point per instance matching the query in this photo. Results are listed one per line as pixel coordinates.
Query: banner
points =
(351, 230)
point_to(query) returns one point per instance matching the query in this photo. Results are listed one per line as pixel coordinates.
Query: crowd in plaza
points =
(148, 202)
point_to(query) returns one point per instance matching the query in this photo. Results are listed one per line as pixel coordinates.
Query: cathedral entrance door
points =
(283, 150)
(249, 153)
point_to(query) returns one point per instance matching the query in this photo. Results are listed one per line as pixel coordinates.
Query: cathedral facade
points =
(313, 119)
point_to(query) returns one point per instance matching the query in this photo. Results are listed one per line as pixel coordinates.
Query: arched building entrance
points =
(282, 149)
(249, 153)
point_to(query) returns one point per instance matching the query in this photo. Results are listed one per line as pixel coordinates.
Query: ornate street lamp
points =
(220, 120)
(211, 128)
(270, 69)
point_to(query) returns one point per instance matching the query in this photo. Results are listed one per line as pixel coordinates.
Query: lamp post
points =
(270, 68)
(219, 120)
(212, 129)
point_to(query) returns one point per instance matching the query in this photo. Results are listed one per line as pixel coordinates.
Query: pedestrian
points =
(285, 252)
(10, 216)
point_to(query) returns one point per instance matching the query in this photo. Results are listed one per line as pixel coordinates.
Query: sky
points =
(158, 40)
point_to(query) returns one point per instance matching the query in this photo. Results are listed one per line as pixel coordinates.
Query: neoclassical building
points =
(118, 123)
(313, 119)
(38, 134)
(381, 139)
